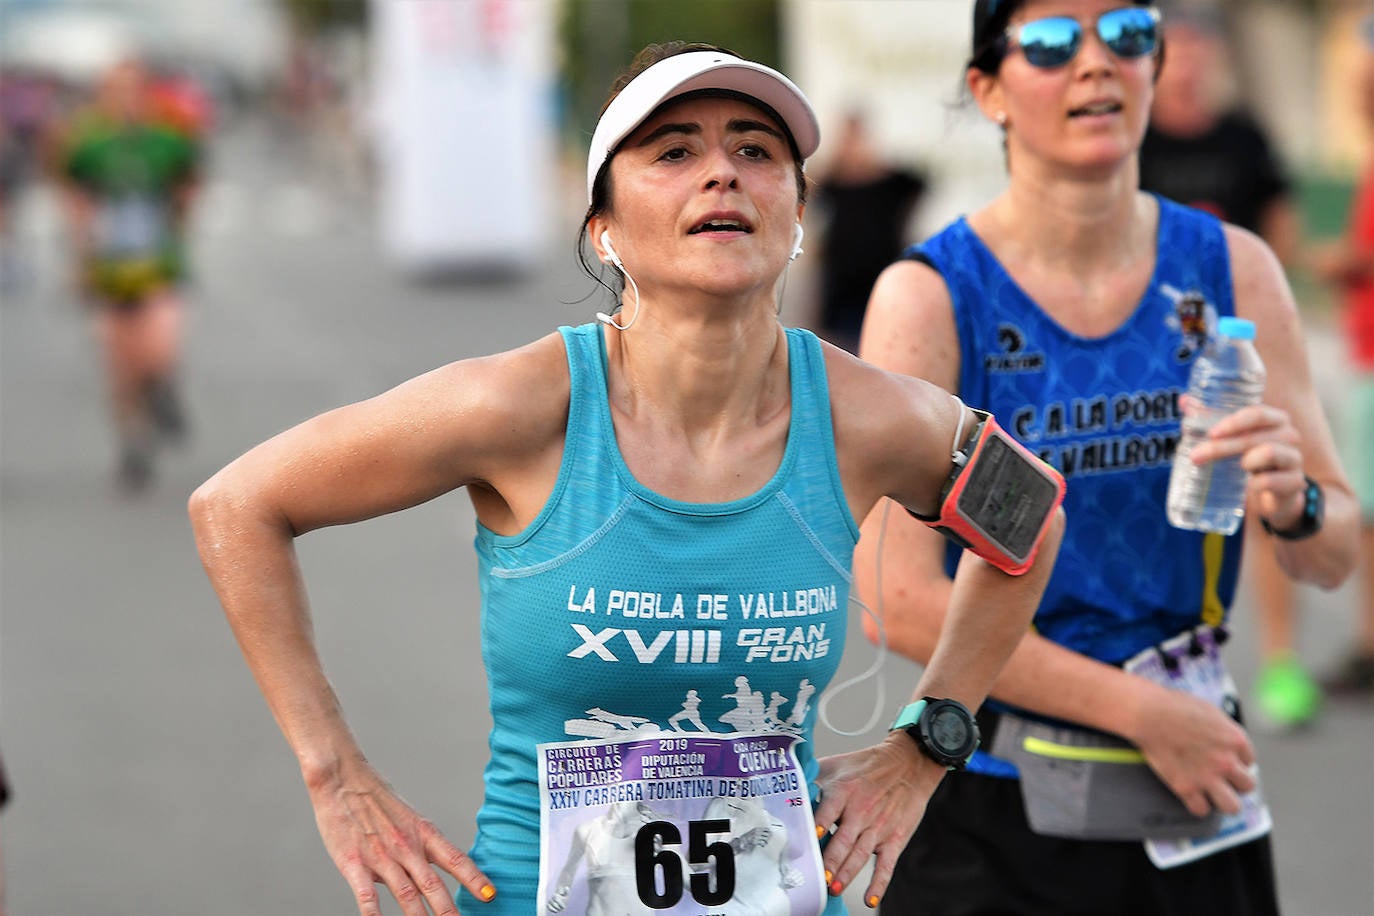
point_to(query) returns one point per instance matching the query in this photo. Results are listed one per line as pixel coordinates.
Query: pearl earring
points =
(1001, 119)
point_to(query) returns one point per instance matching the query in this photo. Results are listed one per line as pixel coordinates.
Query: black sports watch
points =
(944, 730)
(1313, 514)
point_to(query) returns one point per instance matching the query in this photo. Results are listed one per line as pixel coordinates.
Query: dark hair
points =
(648, 56)
(990, 18)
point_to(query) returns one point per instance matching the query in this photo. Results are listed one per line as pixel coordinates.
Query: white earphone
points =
(610, 250)
(614, 259)
(797, 234)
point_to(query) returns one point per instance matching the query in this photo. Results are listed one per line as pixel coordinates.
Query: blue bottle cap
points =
(1236, 328)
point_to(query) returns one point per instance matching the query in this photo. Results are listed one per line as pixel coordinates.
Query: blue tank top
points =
(1104, 411)
(616, 602)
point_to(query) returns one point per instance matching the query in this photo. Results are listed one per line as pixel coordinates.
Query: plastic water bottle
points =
(1227, 376)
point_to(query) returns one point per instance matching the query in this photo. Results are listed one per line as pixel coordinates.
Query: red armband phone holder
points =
(999, 498)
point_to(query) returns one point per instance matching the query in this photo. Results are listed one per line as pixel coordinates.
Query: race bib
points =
(1192, 661)
(130, 227)
(670, 823)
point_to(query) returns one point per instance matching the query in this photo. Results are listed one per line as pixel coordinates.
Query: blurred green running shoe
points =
(1286, 694)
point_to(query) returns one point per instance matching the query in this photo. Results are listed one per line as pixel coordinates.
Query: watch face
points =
(949, 730)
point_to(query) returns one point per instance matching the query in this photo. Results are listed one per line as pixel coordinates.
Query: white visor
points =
(692, 71)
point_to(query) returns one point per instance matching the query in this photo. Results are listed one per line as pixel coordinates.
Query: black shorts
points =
(975, 855)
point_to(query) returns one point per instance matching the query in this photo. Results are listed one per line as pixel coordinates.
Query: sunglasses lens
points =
(1129, 32)
(1050, 42)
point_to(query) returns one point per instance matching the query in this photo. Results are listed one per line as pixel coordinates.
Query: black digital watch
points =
(1313, 514)
(944, 730)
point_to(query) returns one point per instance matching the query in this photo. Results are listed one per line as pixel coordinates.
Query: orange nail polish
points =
(828, 876)
(487, 892)
(836, 888)
(872, 901)
(820, 832)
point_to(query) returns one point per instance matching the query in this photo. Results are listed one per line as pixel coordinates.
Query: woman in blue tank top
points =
(1072, 306)
(667, 505)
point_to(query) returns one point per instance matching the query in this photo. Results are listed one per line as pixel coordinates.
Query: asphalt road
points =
(149, 777)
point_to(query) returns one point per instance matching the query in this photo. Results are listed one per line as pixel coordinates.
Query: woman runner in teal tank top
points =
(667, 505)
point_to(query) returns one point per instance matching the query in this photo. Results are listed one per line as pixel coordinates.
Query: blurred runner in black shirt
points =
(865, 204)
(1228, 169)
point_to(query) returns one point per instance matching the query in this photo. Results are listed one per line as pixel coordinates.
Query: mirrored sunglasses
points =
(1129, 32)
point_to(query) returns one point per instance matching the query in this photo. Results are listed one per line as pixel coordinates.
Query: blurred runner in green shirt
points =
(129, 180)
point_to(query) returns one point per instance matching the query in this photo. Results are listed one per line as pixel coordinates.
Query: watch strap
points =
(909, 715)
(1310, 522)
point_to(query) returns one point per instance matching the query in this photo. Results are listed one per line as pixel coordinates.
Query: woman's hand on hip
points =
(374, 838)
(1202, 754)
(875, 799)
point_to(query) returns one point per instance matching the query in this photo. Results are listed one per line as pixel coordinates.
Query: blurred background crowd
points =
(351, 84)
(341, 193)
(385, 101)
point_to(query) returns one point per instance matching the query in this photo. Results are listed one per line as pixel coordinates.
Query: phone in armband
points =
(999, 498)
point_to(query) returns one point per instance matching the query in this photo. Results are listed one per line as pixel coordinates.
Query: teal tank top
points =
(618, 608)
(1104, 411)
